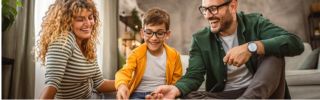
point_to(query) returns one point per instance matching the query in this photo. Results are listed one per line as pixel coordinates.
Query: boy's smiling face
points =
(154, 36)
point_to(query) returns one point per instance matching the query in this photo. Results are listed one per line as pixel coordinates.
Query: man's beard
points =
(225, 22)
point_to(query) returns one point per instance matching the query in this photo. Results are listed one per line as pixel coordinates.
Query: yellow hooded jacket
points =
(132, 72)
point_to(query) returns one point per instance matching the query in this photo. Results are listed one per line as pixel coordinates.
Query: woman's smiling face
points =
(82, 24)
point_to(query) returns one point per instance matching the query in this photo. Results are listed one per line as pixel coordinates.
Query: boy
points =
(151, 64)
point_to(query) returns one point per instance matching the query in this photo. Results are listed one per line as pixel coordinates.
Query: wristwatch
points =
(252, 47)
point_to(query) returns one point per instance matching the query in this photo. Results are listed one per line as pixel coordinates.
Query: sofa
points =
(302, 78)
(303, 74)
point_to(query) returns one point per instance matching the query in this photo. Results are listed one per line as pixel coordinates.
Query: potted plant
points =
(9, 12)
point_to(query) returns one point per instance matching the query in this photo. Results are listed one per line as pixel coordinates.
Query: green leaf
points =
(9, 12)
(19, 4)
(5, 1)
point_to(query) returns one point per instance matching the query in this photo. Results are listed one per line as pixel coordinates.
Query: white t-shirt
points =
(237, 77)
(155, 72)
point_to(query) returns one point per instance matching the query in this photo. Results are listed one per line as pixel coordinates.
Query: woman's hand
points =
(48, 92)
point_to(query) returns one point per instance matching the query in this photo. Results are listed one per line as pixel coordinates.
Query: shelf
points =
(317, 14)
(314, 25)
(7, 61)
(315, 38)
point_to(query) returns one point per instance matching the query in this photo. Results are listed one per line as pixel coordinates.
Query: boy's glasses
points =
(149, 34)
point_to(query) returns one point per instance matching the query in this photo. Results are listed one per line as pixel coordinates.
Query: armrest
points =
(303, 77)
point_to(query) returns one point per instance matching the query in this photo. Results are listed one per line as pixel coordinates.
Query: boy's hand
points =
(123, 92)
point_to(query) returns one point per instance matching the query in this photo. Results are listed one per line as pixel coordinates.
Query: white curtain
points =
(18, 42)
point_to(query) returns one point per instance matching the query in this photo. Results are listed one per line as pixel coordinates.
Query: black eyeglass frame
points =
(155, 33)
(213, 7)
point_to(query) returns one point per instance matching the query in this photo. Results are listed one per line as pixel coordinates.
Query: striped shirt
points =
(68, 70)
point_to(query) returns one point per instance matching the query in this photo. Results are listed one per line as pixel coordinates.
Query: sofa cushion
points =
(303, 77)
(294, 63)
(184, 62)
(305, 92)
(311, 62)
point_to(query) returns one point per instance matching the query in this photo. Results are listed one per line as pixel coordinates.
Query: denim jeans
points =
(139, 95)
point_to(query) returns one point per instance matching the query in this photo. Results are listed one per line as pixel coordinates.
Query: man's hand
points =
(164, 92)
(238, 55)
(123, 92)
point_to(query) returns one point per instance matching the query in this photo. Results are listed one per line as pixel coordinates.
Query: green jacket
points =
(206, 53)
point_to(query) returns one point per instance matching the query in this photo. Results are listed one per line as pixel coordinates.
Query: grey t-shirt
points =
(238, 77)
(154, 74)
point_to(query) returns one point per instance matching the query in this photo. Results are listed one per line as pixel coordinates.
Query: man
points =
(153, 63)
(241, 55)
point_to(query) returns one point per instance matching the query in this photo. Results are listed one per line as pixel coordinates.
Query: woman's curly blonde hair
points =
(57, 23)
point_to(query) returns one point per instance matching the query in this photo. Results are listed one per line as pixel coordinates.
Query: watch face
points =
(252, 47)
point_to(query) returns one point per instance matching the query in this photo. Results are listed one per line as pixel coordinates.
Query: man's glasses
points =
(212, 9)
(149, 34)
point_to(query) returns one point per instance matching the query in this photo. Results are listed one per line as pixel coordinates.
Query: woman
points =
(67, 49)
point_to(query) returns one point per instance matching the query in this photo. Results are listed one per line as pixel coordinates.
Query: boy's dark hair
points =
(156, 16)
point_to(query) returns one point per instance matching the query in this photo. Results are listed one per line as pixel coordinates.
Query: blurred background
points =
(186, 19)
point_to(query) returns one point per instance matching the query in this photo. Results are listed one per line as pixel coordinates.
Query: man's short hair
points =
(156, 16)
